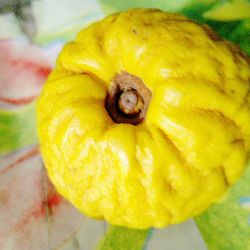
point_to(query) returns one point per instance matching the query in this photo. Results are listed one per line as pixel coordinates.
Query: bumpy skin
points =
(193, 143)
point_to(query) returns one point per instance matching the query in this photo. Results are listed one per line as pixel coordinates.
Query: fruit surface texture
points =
(145, 120)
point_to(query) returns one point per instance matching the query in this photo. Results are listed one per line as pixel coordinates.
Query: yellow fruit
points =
(145, 120)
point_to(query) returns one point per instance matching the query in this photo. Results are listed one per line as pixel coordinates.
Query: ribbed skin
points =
(193, 143)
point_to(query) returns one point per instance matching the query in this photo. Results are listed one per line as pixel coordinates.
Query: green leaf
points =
(226, 225)
(237, 31)
(17, 128)
(241, 35)
(124, 239)
(111, 6)
(226, 10)
(224, 29)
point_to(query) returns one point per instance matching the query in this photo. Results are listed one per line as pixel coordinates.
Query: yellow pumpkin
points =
(145, 120)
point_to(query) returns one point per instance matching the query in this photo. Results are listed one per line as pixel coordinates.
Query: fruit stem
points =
(127, 99)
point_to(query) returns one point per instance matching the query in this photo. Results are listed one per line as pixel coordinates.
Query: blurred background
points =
(32, 214)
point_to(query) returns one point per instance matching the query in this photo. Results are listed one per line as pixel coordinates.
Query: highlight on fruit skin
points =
(145, 120)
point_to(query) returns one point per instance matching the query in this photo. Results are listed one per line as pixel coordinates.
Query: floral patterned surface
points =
(32, 214)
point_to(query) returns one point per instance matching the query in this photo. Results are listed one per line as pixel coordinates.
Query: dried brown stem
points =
(127, 99)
